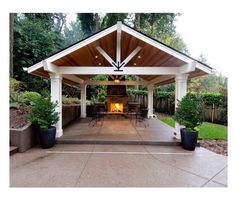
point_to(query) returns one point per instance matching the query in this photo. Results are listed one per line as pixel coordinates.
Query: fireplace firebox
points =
(117, 98)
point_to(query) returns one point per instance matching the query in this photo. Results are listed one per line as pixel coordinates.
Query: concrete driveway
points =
(117, 166)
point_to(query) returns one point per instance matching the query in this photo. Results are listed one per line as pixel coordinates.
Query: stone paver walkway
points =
(117, 166)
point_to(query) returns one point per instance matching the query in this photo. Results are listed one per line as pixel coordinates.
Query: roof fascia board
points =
(125, 70)
(204, 68)
(127, 82)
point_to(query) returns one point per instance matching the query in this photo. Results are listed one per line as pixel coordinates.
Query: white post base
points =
(177, 130)
(59, 133)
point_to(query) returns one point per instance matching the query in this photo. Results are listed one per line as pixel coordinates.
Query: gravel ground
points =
(217, 146)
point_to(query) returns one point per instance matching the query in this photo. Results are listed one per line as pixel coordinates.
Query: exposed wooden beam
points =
(94, 82)
(160, 79)
(132, 54)
(112, 77)
(126, 70)
(105, 55)
(118, 47)
(73, 78)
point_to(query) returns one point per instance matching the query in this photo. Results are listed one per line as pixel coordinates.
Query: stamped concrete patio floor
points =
(82, 165)
(119, 130)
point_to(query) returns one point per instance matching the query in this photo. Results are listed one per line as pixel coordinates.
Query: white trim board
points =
(119, 27)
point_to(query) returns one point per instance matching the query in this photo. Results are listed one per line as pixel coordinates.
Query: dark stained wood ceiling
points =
(147, 56)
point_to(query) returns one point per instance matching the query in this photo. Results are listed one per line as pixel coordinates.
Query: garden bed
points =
(18, 117)
(217, 146)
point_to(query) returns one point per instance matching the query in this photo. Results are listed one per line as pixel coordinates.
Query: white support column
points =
(180, 92)
(150, 101)
(83, 100)
(56, 97)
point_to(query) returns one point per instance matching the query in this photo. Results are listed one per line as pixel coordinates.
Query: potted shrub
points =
(44, 116)
(188, 114)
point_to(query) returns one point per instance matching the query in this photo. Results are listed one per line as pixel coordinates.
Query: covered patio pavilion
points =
(117, 51)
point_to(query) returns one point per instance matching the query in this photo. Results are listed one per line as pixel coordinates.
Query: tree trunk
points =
(97, 22)
(11, 36)
(137, 21)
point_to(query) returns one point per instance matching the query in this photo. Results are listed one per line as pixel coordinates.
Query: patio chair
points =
(96, 117)
(141, 117)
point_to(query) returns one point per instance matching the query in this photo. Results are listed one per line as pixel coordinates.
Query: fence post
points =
(212, 112)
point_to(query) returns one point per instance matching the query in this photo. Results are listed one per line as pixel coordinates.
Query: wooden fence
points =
(211, 113)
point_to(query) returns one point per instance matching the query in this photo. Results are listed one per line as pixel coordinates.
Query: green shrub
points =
(137, 92)
(188, 112)
(30, 97)
(43, 113)
(15, 96)
(15, 85)
(70, 100)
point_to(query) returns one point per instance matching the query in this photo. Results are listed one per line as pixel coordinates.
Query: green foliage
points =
(73, 33)
(36, 36)
(43, 113)
(98, 92)
(164, 94)
(70, 100)
(15, 85)
(137, 92)
(213, 83)
(112, 18)
(213, 98)
(161, 26)
(30, 97)
(15, 91)
(16, 98)
(88, 23)
(188, 112)
(45, 93)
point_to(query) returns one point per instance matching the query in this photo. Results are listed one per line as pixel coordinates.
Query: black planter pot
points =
(47, 137)
(188, 139)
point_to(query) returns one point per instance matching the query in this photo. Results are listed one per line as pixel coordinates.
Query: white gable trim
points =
(74, 47)
(203, 68)
(119, 27)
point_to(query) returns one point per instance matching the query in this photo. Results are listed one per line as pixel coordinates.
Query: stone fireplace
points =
(117, 98)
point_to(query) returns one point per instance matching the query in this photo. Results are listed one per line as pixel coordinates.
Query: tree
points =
(89, 23)
(112, 18)
(73, 33)
(12, 16)
(161, 27)
(36, 36)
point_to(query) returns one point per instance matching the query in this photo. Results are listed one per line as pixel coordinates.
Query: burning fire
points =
(116, 107)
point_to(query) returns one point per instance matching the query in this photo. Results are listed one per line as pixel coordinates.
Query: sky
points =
(204, 34)
(208, 35)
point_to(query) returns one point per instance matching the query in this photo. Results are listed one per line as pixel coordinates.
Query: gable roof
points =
(82, 53)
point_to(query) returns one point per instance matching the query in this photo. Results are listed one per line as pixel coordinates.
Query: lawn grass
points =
(206, 130)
